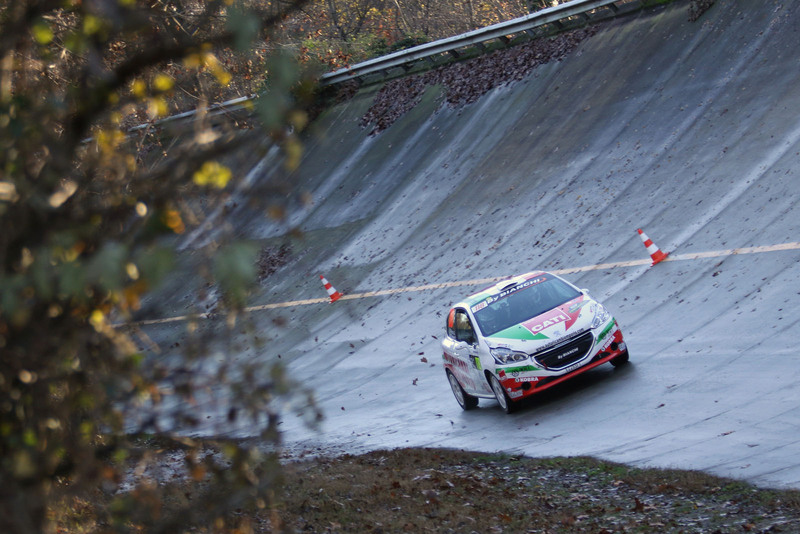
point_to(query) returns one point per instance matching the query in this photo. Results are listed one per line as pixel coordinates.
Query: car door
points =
(461, 352)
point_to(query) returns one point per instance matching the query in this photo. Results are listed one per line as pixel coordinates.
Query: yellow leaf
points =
(222, 177)
(132, 271)
(97, 320)
(201, 177)
(157, 107)
(298, 119)
(139, 88)
(192, 61)
(163, 83)
(223, 76)
(71, 254)
(174, 222)
(109, 140)
(212, 173)
(92, 24)
(42, 33)
(294, 151)
(212, 63)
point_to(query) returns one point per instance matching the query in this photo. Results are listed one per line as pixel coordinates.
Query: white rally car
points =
(523, 335)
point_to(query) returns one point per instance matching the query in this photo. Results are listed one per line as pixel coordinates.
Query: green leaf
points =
(71, 279)
(155, 264)
(272, 107)
(244, 26)
(107, 267)
(283, 71)
(235, 270)
(9, 296)
(41, 272)
(29, 438)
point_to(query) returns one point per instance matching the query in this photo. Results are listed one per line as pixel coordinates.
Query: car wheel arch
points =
(487, 375)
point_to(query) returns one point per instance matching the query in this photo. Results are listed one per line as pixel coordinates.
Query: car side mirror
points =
(470, 341)
(585, 292)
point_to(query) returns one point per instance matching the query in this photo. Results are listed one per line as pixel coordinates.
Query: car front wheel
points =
(465, 400)
(500, 394)
(622, 359)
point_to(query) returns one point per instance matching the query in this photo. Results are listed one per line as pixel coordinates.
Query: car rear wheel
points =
(622, 359)
(465, 400)
(500, 394)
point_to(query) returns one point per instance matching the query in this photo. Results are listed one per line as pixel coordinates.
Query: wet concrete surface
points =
(688, 130)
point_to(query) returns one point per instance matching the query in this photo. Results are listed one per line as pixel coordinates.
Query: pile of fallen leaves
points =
(698, 7)
(428, 490)
(272, 258)
(464, 82)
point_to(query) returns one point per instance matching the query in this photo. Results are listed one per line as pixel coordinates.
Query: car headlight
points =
(601, 316)
(505, 355)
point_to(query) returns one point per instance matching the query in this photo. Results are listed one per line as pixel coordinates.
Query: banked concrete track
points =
(688, 130)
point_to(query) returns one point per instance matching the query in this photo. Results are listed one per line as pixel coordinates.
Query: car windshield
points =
(521, 302)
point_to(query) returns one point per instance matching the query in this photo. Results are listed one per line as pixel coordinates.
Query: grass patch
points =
(420, 490)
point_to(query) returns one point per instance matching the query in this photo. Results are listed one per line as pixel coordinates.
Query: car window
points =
(518, 304)
(464, 330)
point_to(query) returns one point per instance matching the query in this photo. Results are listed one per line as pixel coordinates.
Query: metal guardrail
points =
(587, 10)
(228, 106)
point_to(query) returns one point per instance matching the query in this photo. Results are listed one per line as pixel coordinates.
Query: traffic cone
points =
(332, 293)
(655, 252)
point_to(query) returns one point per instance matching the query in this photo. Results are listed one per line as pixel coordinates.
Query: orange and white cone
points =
(332, 293)
(652, 249)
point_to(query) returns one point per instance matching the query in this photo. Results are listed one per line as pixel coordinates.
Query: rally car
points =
(523, 335)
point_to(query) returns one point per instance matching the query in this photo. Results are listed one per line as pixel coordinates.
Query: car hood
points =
(536, 332)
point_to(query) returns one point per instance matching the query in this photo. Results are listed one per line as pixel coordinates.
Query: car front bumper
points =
(523, 382)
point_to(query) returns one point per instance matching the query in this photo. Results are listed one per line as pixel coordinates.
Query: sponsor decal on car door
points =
(462, 355)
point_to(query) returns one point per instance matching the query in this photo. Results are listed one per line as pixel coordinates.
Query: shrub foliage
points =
(90, 212)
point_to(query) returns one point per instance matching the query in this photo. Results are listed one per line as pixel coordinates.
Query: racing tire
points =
(500, 394)
(464, 399)
(622, 359)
